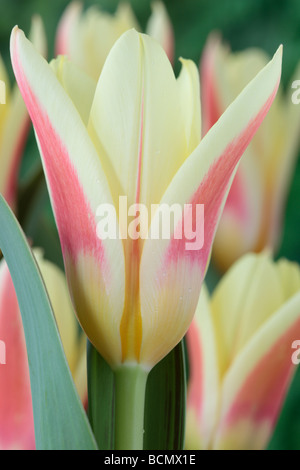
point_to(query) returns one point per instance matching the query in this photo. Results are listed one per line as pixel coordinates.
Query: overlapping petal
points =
(245, 332)
(160, 28)
(95, 268)
(171, 276)
(254, 388)
(268, 163)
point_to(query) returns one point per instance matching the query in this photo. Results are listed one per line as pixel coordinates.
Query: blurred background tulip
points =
(16, 415)
(253, 215)
(240, 354)
(243, 25)
(80, 33)
(14, 123)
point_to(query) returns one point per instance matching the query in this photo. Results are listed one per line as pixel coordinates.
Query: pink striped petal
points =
(170, 275)
(256, 384)
(78, 186)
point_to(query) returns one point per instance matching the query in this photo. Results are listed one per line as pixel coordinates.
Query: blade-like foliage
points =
(101, 399)
(166, 403)
(59, 418)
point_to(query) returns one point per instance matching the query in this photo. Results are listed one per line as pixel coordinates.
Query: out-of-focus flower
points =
(14, 123)
(87, 37)
(136, 135)
(16, 414)
(252, 217)
(240, 353)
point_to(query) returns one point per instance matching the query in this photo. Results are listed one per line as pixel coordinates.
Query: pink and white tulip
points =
(240, 354)
(253, 215)
(16, 413)
(135, 134)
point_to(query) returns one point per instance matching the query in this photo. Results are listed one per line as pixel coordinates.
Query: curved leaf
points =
(101, 399)
(59, 418)
(165, 403)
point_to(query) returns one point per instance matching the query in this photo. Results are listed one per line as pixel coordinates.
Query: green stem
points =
(130, 389)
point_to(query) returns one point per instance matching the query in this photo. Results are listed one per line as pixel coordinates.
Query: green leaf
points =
(287, 431)
(166, 403)
(59, 418)
(101, 399)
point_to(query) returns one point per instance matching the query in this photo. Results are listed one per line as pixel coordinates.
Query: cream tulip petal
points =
(238, 69)
(159, 27)
(94, 267)
(37, 35)
(289, 277)
(79, 86)
(189, 90)
(93, 28)
(171, 270)
(66, 29)
(136, 122)
(256, 384)
(258, 293)
(126, 18)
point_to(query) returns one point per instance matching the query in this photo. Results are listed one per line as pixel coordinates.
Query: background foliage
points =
(243, 23)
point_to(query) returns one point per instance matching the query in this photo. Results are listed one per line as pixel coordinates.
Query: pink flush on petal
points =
(16, 414)
(75, 218)
(211, 194)
(266, 385)
(236, 202)
(195, 391)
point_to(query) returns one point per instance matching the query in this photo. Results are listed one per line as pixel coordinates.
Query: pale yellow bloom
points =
(240, 352)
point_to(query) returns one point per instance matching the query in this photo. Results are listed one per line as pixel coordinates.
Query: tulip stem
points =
(130, 390)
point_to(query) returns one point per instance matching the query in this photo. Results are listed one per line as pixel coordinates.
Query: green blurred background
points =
(243, 23)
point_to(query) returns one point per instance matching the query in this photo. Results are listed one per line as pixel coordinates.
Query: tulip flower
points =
(79, 34)
(240, 354)
(16, 414)
(14, 124)
(253, 215)
(136, 135)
